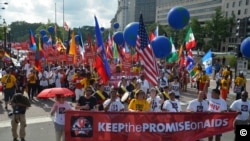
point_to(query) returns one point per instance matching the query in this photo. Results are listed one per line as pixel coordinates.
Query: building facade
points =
(241, 10)
(199, 9)
(129, 11)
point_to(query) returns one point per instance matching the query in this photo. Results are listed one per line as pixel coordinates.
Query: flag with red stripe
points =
(146, 54)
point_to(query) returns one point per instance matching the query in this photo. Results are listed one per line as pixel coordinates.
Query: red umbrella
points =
(52, 92)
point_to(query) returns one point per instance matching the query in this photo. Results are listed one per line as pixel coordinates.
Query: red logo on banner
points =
(132, 126)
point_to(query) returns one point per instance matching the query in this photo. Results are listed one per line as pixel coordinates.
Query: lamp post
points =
(4, 34)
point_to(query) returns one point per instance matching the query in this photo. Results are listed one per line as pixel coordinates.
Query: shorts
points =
(8, 94)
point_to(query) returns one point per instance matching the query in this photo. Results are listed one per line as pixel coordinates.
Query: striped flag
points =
(146, 54)
(65, 25)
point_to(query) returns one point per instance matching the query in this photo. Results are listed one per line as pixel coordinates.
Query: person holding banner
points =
(58, 109)
(172, 105)
(113, 104)
(155, 101)
(199, 104)
(216, 104)
(100, 96)
(242, 107)
(139, 103)
(87, 101)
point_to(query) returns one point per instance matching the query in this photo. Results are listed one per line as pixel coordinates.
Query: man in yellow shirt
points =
(32, 78)
(239, 84)
(9, 86)
(224, 87)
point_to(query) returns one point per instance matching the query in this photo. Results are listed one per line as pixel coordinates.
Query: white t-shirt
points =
(176, 88)
(217, 105)
(242, 106)
(144, 85)
(58, 77)
(196, 106)
(163, 81)
(60, 112)
(115, 106)
(156, 104)
(44, 83)
(51, 77)
(172, 106)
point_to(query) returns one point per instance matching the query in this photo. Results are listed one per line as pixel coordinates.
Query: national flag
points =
(109, 48)
(115, 53)
(146, 54)
(59, 45)
(68, 42)
(65, 25)
(102, 65)
(190, 61)
(32, 40)
(174, 55)
(190, 40)
(6, 57)
(72, 48)
(151, 36)
(47, 44)
(127, 50)
(207, 62)
(81, 49)
(156, 31)
(38, 54)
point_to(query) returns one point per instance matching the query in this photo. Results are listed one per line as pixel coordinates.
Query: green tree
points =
(218, 28)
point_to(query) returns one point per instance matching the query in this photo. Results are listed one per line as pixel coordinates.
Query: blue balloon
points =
(161, 46)
(116, 25)
(130, 33)
(43, 32)
(51, 29)
(102, 29)
(178, 17)
(118, 38)
(245, 47)
(45, 38)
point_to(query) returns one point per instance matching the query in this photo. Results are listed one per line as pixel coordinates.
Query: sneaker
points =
(15, 139)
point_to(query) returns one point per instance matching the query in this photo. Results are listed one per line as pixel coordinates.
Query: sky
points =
(77, 13)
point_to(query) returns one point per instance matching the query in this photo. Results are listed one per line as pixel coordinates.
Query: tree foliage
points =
(218, 28)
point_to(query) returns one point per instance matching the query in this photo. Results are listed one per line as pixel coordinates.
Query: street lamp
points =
(4, 34)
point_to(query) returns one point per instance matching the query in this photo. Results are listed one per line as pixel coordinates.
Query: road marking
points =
(31, 120)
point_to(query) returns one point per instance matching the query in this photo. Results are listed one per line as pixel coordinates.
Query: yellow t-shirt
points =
(225, 72)
(32, 78)
(204, 78)
(9, 80)
(85, 83)
(140, 105)
(224, 83)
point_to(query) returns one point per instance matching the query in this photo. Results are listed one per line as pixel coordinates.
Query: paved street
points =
(40, 126)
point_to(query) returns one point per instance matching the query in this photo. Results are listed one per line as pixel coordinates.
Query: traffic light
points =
(240, 27)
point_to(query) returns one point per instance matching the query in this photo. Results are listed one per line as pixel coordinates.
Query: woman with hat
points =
(139, 103)
(172, 105)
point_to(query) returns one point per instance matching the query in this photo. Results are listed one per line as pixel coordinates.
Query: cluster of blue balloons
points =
(43, 33)
(161, 45)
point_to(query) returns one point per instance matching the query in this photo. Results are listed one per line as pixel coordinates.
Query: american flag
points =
(146, 54)
(65, 25)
